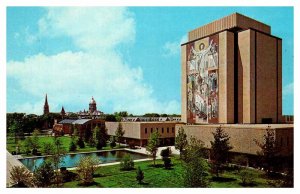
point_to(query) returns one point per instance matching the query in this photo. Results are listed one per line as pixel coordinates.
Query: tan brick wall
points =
(226, 77)
(246, 88)
(159, 126)
(266, 78)
(183, 85)
(132, 129)
(242, 136)
(136, 130)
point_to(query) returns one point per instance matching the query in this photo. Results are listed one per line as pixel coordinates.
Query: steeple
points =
(46, 106)
(62, 112)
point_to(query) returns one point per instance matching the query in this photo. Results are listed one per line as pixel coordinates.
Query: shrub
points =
(167, 163)
(80, 143)
(67, 176)
(165, 153)
(86, 168)
(44, 175)
(127, 163)
(73, 146)
(139, 175)
(48, 148)
(247, 177)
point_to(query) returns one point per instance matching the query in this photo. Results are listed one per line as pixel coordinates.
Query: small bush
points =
(139, 175)
(68, 176)
(165, 154)
(247, 177)
(127, 163)
(80, 143)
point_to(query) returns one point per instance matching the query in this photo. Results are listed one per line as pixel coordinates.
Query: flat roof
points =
(233, 21)
(81, 121)
(67, 121)
(253, 126)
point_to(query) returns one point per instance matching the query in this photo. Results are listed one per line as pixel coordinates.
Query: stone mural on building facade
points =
(202, 80)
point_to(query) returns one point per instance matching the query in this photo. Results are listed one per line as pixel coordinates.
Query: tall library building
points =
(232, 78)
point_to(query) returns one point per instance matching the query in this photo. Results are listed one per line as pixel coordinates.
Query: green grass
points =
(66, 140)
(158, 177)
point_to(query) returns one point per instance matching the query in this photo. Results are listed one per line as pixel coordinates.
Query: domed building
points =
(92, 105)
(92, 112)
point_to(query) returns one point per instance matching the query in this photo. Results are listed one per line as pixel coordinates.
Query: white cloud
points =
(288, 89)
(173, 48)
(97, 70)
(92, 28)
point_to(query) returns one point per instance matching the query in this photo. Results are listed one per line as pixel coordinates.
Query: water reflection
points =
(71, 160)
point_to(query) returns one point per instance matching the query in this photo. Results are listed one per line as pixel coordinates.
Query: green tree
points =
(181, 140)
(101, 137)
(80, 142)
(119, 133)
(127, 163)
(139, 175)
(219, 149)
(48, 148)
(86, 167)
(57, 157)
(21, 177)
(195, 167)
(73, 146)
(44, 174)
(35, 139)
(112, 142)
(27, 144)
(269, 150)
(153, 143)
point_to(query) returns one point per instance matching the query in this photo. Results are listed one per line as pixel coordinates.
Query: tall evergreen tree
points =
(119, 133)
(219, 149)
(269, 150)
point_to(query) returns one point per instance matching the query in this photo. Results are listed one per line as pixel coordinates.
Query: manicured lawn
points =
(11, 146)
(158, 177)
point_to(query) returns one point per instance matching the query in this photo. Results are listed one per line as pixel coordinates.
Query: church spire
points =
(46, 106)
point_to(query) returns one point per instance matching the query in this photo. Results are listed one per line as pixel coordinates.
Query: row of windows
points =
(162, 130)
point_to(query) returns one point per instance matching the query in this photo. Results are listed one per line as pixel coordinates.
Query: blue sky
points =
(127, 58)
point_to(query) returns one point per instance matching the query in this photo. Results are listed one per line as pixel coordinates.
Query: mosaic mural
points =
(202, 80)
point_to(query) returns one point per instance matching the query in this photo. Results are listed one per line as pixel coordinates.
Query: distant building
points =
(92, 112)
(138, 132)
(62, 112)
(150, 119)
(84, 126)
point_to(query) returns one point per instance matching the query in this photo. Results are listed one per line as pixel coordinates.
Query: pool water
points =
(70, 160)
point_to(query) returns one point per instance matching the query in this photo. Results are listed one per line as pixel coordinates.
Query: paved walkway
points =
(11, 161)
(143, 150)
